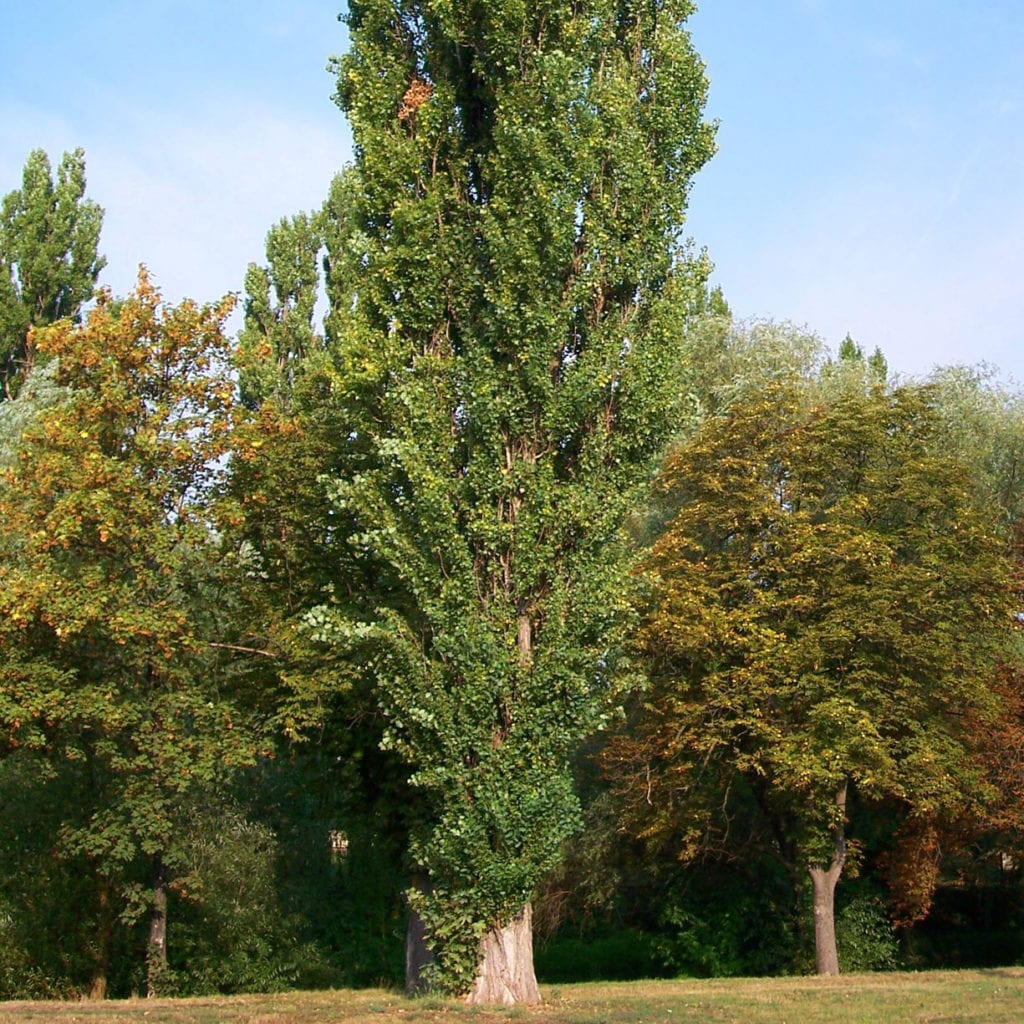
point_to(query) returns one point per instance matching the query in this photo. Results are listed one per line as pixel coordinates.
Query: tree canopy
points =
(112, 590)
(508, 288)
(322, 644)
(829, 606)
(49, 262)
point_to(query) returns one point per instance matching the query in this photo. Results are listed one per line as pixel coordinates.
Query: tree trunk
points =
(826, 955)
(824, 883)
(156, 953)
(104, 934)
(418, 954)
(506, 973)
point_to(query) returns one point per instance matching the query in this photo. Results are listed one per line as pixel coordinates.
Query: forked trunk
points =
(506, 973)
(824, 881)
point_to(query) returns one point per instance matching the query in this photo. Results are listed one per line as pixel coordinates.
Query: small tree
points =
(49, 235)
(508, 296)
(829, 604)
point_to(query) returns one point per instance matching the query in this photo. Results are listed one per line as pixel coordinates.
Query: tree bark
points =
(824, 881)
(104, 934)
(418, 954)
(156, 953)
(506, 974)
(826, 955)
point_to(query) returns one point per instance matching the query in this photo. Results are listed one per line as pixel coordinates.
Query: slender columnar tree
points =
(49, 233)
(509, 290)
(280, 301)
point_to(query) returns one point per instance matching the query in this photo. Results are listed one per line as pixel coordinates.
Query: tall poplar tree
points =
(49, 233)
(509, 291)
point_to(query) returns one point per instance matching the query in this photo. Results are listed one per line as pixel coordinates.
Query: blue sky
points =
(870, 174)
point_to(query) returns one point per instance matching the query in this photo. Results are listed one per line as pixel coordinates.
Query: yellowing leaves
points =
(819, 613)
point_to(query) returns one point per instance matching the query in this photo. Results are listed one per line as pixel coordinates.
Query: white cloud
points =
(192, 196)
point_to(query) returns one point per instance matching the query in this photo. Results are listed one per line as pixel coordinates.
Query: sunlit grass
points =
(985, 997)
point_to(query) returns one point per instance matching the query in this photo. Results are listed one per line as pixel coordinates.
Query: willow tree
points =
(509, 291)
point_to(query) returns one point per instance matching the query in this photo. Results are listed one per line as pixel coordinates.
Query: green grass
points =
(940, 997)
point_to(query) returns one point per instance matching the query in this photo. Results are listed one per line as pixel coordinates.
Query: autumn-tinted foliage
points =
(828, 608)
(112, 587)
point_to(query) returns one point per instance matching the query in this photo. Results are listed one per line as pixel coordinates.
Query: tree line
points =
(528, 588)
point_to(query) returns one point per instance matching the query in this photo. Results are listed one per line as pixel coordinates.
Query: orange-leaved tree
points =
(112, 592)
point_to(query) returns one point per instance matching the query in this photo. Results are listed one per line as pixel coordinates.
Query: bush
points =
(865, 936)
(227, 929)
(621, 956)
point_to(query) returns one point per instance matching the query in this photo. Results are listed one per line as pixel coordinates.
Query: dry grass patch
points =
(941, 997)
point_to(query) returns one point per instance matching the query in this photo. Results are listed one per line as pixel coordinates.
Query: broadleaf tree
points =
(49, 261)
(113, 590)
(830, 604)
(509, 291)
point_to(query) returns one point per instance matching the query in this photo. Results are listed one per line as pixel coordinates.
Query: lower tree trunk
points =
(506, 973)
(826, 954)
(156, 954)
(418, 954)
(824, 881)
(104, 935)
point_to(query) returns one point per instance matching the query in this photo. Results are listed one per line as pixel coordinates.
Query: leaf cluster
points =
(49, 235)
(830, 603)
(112, 586)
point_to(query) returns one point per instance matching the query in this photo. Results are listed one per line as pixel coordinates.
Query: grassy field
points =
(986, 997)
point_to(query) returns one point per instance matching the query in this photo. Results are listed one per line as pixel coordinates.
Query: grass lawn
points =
(986, 997)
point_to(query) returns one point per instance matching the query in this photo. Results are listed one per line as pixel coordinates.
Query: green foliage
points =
(829, 604)
(49, 235)
(865, 935)
(619, 955)
(346, 901)
(39, 391)
(732, 362)
(280, 301)
(850, 353)
(983, 421)
(52, 899)
(230, 930)
(731, 931)
(288, 437)
(113, 591)
(508, 295)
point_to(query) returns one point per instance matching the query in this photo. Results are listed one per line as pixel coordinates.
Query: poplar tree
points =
(49, 234)
(509, 291)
